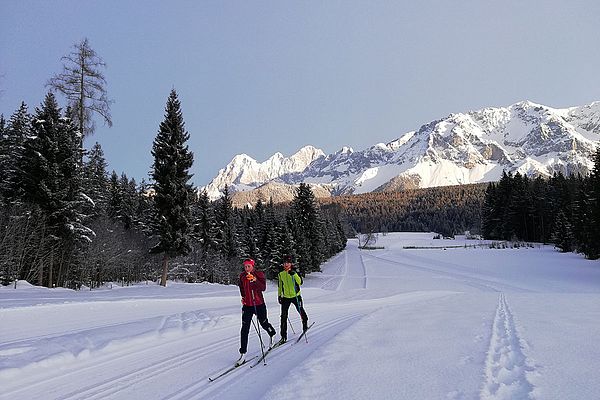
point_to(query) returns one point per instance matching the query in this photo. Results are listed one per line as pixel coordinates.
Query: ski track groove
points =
(116, 384)
(111, 358)
(198, 390)
(478, 283)
(506, 365)
(27, 340)
(364, 269)
(335, 281)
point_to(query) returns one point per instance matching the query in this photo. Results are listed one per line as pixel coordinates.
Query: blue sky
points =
(258, 77)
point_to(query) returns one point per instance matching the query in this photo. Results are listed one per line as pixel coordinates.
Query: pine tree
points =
(518, 207)
(96, 181)
(204, 224)
(129, 201)
(115, 197)
(540, 209)
(173, 193)
(307, 229)
(226, 236)
(205, 234)
(11, 152)
(563, 235)
(145, 213)
(594, 244)
(3, 155)
(52, 181)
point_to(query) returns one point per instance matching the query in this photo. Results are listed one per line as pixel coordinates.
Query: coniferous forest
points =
(448, 210)
(65, 221)
(561, 210)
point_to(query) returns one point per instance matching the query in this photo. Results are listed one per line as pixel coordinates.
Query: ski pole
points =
(291, 326)
(299, 304)
(262, 347)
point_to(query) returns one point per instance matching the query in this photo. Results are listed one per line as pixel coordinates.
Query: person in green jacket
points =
(289, 293)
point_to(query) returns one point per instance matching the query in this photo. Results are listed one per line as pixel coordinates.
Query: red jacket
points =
(252, 291)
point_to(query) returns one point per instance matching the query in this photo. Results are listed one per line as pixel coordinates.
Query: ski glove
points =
(279, 299)
(292, 272)
(251, 277)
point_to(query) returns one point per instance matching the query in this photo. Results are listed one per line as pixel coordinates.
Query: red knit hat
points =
(248, 261)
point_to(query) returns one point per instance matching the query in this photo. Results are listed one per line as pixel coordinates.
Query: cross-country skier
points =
(289, 293)
(252, 283)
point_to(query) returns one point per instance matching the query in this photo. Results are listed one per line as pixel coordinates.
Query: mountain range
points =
(461, 148)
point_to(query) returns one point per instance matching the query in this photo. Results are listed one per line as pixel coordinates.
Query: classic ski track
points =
(26, 340)
(198, 390)
(479, 283)
(364, 269)
(53, 335)
(340, 274)
(115, 384)
(337, 277)
(506, 365)
(111, 358)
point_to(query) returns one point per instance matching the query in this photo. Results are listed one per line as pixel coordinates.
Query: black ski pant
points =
(247, 314)
(285, 306)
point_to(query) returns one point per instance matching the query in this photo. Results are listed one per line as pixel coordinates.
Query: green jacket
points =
(289, 286)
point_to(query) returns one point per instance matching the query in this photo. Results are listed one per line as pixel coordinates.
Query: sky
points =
(260, 77)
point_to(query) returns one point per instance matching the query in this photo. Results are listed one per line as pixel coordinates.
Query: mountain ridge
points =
(471, 147)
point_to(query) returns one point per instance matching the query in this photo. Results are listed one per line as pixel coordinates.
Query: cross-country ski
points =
(231, 369)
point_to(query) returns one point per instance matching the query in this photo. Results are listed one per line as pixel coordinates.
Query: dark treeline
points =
(560, 210)
(65, 221)
(448, 210)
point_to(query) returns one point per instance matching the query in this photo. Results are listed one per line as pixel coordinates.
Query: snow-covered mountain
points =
(244, 173)
(462, 148)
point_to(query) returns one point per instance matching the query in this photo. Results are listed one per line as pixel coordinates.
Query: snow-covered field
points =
(460, 323)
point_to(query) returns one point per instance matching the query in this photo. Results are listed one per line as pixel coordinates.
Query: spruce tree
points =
(224, 218)
(129, 201)
(3, 155)
(96, 181)
(52, 181)
(594, 179)
(145, 213)
(115, 199)
(204, 224)
(173, 193)
(307, 229)
(12, 143)
(562, 235)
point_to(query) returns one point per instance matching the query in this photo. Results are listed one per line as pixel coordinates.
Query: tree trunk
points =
(41, 273)
(163, 279)
(81, 98)
(50, 277)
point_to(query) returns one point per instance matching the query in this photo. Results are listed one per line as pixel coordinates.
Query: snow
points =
(422, 318)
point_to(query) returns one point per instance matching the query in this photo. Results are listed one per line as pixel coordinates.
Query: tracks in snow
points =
(506, 365)
(479, 283)
(321, 334)
(344, 278)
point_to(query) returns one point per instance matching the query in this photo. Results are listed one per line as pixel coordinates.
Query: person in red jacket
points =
(252, 283)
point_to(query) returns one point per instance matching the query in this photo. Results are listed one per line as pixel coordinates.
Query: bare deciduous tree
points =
(84, 86)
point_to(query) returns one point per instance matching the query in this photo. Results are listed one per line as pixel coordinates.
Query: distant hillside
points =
(279, 192)
(447, 209)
